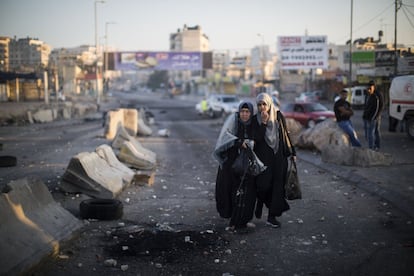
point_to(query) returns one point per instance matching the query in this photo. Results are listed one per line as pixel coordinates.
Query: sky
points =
(235, 25)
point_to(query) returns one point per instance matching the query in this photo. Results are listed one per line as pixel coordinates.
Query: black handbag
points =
(247, 162)
(292, 185)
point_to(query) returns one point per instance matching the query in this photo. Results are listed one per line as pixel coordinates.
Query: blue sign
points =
(131, 61)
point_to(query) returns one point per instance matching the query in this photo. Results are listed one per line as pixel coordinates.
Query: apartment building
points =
(189, 39)
(28, 54)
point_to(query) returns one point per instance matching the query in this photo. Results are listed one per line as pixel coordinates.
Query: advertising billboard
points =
(302, 52)
(131, 61)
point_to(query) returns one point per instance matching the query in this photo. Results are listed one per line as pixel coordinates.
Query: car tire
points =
(8, 161)
(211, 113)
(311, 124)
(102, 209)
(409, 126)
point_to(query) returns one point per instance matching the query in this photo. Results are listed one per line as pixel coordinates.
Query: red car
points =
(308, 114)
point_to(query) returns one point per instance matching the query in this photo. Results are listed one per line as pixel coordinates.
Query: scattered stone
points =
(110, 262)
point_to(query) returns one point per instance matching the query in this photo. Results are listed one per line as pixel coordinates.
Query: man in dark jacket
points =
(374, 104)
(343, 113)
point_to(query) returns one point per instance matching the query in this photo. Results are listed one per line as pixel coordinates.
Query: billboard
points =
(131, 61)
(302, 52)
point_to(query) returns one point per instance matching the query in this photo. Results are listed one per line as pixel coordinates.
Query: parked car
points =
(219, 105)
(307, 114)
(306, 97)
(356, 96)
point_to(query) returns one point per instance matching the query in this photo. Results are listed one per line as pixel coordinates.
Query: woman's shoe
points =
(273, 222)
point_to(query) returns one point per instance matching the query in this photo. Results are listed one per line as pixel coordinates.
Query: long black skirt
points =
(235, 196)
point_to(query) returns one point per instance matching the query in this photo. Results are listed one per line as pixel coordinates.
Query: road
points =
(172, 227)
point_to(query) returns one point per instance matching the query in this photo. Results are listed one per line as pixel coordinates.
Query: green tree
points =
(157, 78)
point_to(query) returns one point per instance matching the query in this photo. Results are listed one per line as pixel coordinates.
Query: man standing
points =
(343, 113)
(374, 104)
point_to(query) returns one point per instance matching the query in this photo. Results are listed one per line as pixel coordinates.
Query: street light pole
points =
(98, 94)
(262, 58)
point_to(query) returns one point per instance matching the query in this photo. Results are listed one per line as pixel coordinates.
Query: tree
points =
(157, 78)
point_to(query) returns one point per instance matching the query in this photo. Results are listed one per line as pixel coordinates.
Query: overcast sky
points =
(230, 24)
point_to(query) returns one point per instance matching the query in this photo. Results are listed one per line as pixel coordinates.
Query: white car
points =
(220, 105)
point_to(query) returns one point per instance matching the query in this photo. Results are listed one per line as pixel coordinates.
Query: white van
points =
(402, 101)
(358, 96)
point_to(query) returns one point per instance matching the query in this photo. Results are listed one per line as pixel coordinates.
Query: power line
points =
(369, 21)
(406, 15)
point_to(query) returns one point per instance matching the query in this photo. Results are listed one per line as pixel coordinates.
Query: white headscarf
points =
(272, 127)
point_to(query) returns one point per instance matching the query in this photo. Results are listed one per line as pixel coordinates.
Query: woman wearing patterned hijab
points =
(235, 194)
(273, 147)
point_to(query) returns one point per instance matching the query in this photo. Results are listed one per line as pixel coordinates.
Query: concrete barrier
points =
(143, 128)
(131, 118)
(113, 120)
(106, 152)
(123, 136)
(90, 174)
(31, 226)
(127, 118)
(133, 157)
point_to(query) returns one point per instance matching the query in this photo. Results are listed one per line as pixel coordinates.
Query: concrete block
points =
(90, 174)
(114, 119)
(145, 178)
(130, 120)
(135, 157)
(43, 116)
(32, 225)
(106, 152)
(123, 136)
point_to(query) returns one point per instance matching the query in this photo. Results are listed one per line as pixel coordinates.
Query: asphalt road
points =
(172, 227)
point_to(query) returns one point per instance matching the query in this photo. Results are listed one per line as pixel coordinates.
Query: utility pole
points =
(350, 47)
(398, 4)
(98, 95)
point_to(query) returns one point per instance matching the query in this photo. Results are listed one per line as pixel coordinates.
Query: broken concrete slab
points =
(123, 136)
(135, 157)
(90, 174)
(106, 152)
(32, 226)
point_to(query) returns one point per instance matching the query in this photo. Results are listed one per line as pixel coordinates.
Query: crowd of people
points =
(242, 195)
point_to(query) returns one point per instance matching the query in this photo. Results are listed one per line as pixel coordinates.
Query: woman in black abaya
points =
(273, 148)
(235, 193)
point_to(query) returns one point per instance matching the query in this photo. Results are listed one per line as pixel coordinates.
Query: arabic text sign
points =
(303, 52)
(130, 61)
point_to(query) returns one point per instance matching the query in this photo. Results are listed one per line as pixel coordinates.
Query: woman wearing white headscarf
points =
(235, 193)
(273, 148)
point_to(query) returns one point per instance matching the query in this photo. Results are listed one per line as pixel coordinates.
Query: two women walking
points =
(239, 197)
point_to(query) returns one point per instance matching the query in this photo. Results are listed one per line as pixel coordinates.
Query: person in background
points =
(374, 105)
(235, 194)
(273, 147)
(204, 105)
(343, 113)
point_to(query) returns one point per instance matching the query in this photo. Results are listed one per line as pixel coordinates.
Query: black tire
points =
(409, 126)
(102, 209)
(8, 161)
